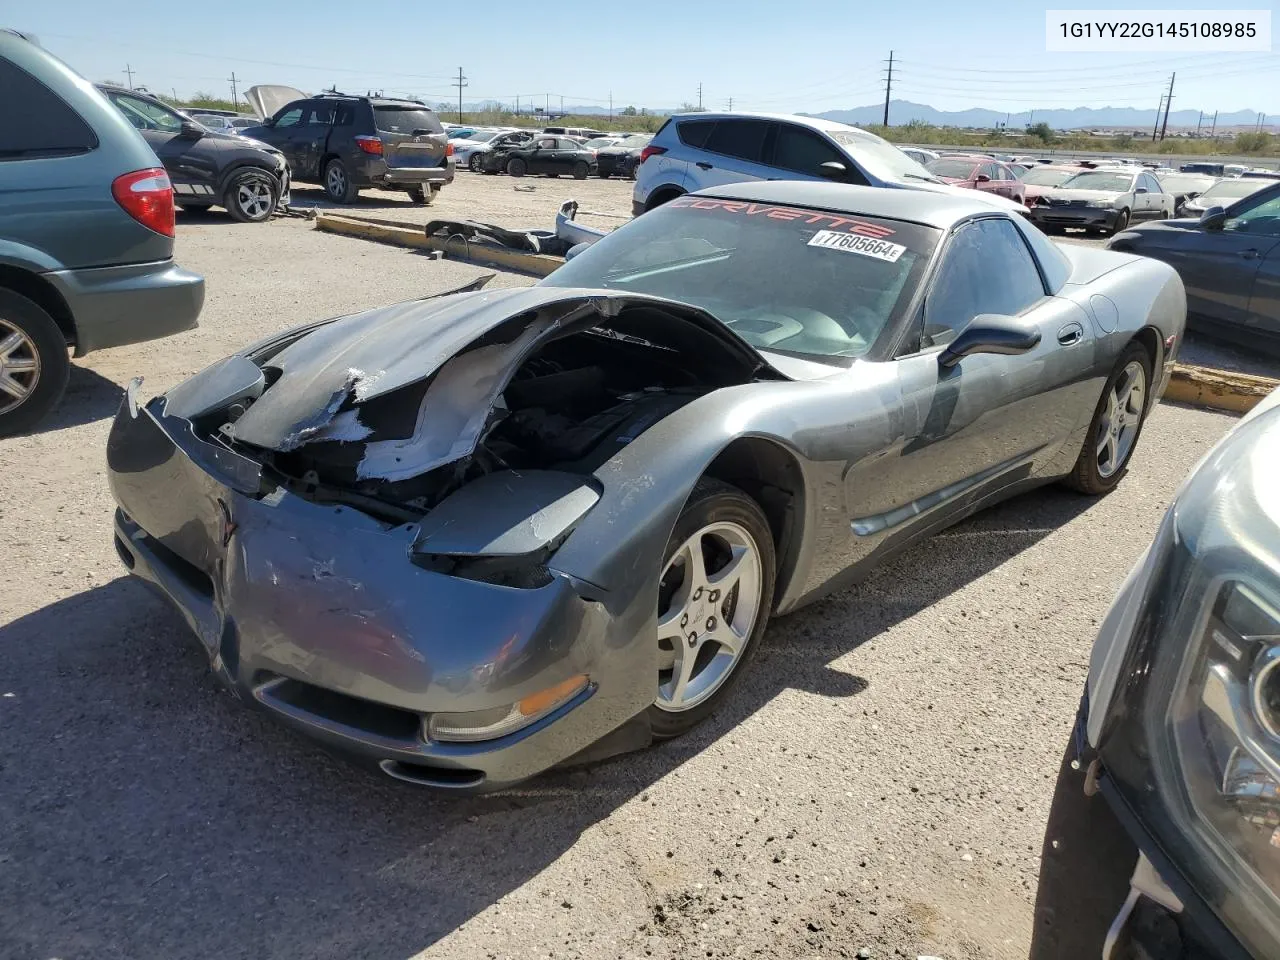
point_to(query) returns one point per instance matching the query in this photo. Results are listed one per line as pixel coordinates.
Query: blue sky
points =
(765, 55)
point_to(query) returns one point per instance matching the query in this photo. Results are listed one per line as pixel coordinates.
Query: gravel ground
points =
(880, 780)
(607, 204)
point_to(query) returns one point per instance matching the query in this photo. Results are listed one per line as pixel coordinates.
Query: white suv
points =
(693, 151)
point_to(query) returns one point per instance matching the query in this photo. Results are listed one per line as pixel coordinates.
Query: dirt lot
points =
(881, 779)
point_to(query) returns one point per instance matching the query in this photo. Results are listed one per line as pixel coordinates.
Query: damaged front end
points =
(359, 518)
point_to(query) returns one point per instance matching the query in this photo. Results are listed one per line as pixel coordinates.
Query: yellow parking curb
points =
(411, 235)
(1217, 389)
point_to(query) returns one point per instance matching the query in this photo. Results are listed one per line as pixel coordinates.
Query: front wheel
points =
(714, 597)
(474, 163)
(517, 167)
(1116, 425)
(33, 363)
(337, 183)
(251, 196)
(1122, 221)
(581, 169)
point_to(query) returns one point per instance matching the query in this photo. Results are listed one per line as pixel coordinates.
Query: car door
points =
(992, 183)
(280, 131)
(735, 152)
(541, 153)
(1219, 267)
(309, 138)
(799, 153)
(567, 153)
(990, 420)
(1162, 204)
(1141, 203)
(192, 167)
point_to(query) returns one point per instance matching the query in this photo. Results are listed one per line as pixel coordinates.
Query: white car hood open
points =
(267, 99)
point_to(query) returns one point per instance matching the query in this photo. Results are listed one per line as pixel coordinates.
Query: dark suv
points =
(86, 232)
(207, 167)
(346, 143)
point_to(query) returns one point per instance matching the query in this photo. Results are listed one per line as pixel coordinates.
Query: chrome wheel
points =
(336, 180)
(1118, 427)
(254, 199)
(19, 366)
(474, 163)
(709, 597)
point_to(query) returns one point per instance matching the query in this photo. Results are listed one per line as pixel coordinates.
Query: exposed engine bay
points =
(570, 406)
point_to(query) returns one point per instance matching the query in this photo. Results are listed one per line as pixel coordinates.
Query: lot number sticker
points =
(851, 243)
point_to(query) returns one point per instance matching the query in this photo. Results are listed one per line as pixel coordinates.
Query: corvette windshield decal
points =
(829, 221)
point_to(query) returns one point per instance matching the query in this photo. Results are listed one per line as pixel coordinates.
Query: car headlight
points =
(1107, 204)
(1191, 739)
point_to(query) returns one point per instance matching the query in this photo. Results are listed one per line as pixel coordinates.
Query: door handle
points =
(702, 165)
(1249, 254)
(1071, 334)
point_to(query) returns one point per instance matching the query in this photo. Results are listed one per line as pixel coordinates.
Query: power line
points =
(460, 83)
(1127, 69)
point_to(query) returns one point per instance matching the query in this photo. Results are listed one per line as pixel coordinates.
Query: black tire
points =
(661, 198)
(602, 175)
(43, 343)
(581, 170)
(251, 195)
(635, 171)
(199, 209)
(1122, 221)
(517, 167)
(422, 195)
(1086, 476)
(473, 164)
(710, 502)
(337, 183)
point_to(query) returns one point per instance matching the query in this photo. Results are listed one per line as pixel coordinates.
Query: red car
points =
(978, 173)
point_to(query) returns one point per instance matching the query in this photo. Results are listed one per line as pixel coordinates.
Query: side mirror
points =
(1213, 219)
(989, 333)
(1141, 190)
(192, 130)
(982, 178)
(833, 170)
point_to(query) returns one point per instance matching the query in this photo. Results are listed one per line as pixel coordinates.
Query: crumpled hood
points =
(1004, 203)
(1058, 193)
(267, 99)
(469, 343)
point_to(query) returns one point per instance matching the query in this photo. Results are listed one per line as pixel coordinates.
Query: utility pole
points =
(1156, 128)
(129, 72)
(610, 108)
(888, 86)
(548, 110)
(1168, 102)
(175, 94)
(460, 83)
(1214, 128)
(562, 104)
(233, 80)
(1199, 120)
(731, 104)
(699, 96)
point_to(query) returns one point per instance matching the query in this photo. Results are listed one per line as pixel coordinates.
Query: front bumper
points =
(112, 306)
(1098, 217)
(1092, 844)
(316, 613)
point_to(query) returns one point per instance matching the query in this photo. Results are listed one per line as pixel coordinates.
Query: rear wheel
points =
(250, 197)
(337, 183)
(1122, 221)
(581, 169)
(474, 163)
(517, 167)
(663, 196)
(422, 194)
(33, 363)
(714, 596)
(1116, 425)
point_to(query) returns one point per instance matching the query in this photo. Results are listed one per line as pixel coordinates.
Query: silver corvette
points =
(474, 536)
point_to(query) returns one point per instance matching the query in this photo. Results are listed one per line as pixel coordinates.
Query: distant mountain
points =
(1078, 118)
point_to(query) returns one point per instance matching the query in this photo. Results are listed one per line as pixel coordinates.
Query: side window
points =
(546, 143)
(694, 133)
(743, 139)
(146, 115)
(344, 116)
(319, 114)
(568, 145)
(290, 116)
(1262, 219)
(986, 268)
(35, 121)
(804, 151)
(1152, 183)
(990, 170)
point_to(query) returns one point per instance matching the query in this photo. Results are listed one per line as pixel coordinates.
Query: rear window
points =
(35, 121)
(397, 119)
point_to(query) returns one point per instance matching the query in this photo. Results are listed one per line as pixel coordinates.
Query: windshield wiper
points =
(916, 176)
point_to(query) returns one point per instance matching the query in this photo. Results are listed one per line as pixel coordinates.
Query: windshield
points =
(1179, 183)
(635, 142)
(879, 158)
(1100, 180)
(787, 279)
(391, 118)
(1043, 177)
(599, 142)
(956, 169)
(1232, 189)
(146, 115)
